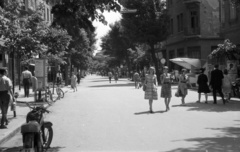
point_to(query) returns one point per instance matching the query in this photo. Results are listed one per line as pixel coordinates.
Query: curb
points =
(10, 135)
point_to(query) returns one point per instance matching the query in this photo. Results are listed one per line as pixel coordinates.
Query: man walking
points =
(110, 76)
(5, 93)
(216, 83)
(26, 77)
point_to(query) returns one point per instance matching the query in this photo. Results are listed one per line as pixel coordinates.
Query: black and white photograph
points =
(119, 76)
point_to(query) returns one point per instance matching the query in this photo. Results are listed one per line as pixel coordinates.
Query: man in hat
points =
(5, 93)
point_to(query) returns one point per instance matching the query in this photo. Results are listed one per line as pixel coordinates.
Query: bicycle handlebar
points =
(41, 107)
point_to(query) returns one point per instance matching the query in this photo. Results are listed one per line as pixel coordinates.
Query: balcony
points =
(191, 1)
(192, 32)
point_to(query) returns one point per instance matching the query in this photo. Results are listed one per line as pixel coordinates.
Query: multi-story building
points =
(194, 29)
(230, 21)
(27, 7)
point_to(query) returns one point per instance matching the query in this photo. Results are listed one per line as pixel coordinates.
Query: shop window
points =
(194, 52)
(180, 52)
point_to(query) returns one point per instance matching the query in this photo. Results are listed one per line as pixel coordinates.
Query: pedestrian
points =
(226, 85)
(78, 77)
(182, 85)
(151, 87)
(202, 82)
(110, 76)
(26, 80)
(59, 78)
(136, 78)
(74, 82)
(116, 76)
(166, 90)
(5, 95)
(216, 83)
(143, 75)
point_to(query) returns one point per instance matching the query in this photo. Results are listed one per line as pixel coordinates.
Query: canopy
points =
(188, 63)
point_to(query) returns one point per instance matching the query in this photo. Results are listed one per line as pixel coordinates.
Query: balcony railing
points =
(191, 1)
(191, 31)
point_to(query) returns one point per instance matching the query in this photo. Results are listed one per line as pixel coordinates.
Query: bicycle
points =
(59, 92)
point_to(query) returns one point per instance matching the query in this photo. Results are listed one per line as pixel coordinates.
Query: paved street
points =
(114, 117)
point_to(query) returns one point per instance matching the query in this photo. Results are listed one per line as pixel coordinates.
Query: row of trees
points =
(70, 39)
(131, 41)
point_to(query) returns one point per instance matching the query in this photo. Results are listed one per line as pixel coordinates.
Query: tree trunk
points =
(155, 61)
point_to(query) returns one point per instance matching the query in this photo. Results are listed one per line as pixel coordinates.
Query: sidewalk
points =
(21, 112)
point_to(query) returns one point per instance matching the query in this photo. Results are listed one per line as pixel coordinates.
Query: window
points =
(222, 11)
(171, 26)
(180, 52)
(194, 19)
(180, 22)
(233, 14)
(194, 52)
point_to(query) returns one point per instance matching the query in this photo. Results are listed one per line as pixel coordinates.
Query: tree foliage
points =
(30, 36)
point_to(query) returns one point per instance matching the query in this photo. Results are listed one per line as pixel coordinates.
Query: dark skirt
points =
(203, 88)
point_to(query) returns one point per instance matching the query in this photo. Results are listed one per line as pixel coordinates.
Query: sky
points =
(102, 29)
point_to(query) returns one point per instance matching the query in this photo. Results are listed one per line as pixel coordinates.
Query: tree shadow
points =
(229, 142)
(210, 107)
(114, 85)
(19, 148)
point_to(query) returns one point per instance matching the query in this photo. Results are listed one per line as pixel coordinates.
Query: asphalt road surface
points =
(103, 116)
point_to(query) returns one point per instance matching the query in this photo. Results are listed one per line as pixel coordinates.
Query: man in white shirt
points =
(26, 79)
(5, 95)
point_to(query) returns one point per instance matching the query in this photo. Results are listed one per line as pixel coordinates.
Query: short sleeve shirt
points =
(5, 84)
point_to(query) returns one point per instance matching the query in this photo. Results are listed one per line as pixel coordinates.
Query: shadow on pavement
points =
(210, 107)
(229, 142)
(18, 149)
(148, 112)
(113, 84)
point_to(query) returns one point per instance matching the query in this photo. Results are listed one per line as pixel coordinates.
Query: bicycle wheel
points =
(60, 92)
(48, 136)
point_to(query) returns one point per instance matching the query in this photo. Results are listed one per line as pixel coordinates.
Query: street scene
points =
(115, 117)
(119, 75)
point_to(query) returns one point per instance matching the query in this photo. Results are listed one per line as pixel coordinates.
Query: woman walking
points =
(202, 82)
(226, 85)
(166, 92)
(74, 82)
(151, 87)
(182, 85)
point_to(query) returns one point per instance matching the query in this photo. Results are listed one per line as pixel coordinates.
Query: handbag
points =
(178, 93)
(144, 87)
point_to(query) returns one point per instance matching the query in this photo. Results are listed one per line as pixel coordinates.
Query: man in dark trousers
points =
(216, 83)
(26, 79)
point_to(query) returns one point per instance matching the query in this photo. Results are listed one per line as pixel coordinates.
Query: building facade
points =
(194, 29)
(230, 21)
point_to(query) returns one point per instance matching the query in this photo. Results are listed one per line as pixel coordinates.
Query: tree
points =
(76, 16)
(148, 25)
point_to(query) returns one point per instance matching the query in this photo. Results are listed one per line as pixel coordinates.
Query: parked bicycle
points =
(59, 92)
